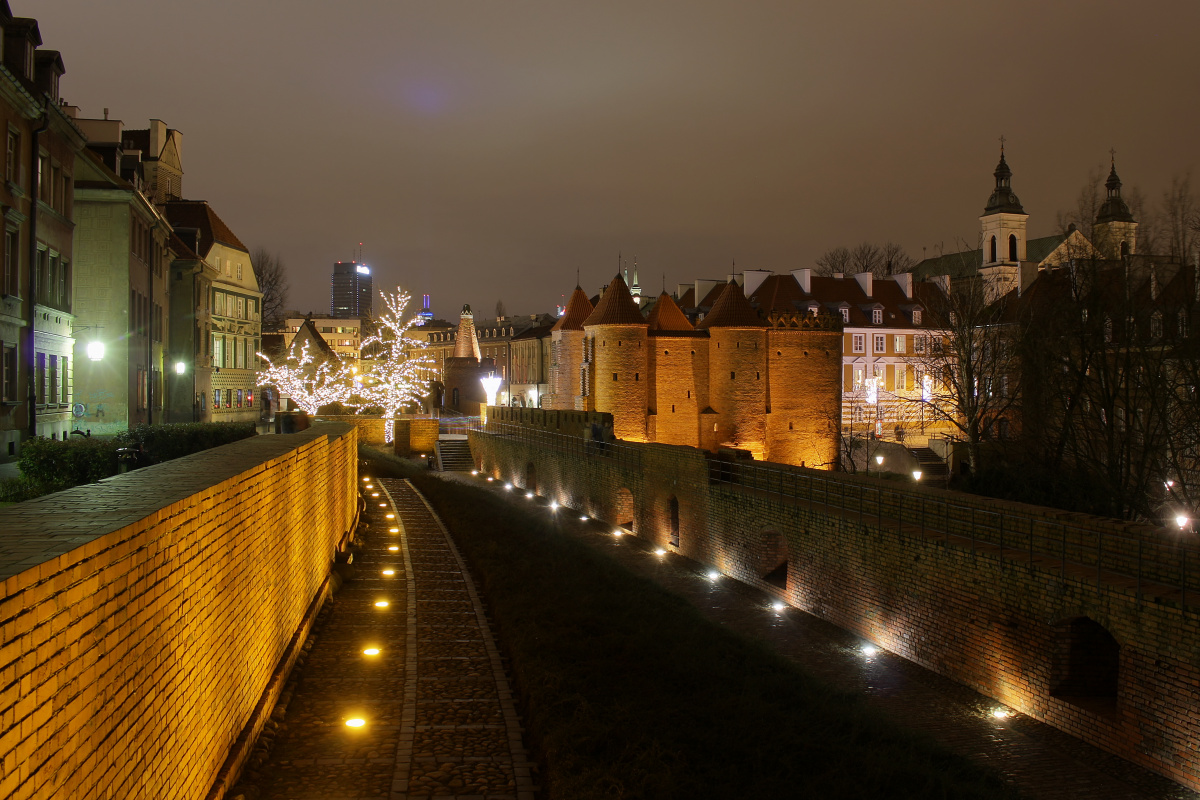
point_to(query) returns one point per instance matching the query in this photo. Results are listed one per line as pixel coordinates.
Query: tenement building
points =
(766, 384)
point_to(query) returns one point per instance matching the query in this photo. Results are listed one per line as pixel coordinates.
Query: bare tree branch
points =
(273, 282)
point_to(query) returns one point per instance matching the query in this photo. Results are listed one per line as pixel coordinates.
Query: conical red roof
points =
(577, 310)
(666, 316)
(616, 307)
(732, 310)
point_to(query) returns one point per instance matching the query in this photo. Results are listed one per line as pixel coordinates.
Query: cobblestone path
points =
(405, 648)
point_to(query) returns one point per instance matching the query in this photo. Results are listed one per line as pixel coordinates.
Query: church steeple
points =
(1003, 199)
(1115, 230)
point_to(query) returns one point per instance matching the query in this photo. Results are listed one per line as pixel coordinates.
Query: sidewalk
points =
(437, 717)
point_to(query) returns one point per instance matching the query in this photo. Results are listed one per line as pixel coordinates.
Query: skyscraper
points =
(350, 290)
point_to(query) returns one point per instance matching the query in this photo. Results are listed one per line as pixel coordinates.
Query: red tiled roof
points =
(710, 299)
(782, 294)
(198, 214)
(732, 310)
(616, 307)
(687, 299)
(666, 316)
(180, 249)
(577, 310)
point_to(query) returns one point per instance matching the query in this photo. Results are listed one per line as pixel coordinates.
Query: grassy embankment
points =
(628, 692)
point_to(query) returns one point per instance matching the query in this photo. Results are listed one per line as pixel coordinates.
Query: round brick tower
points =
(566, 342)
(619, 333)
(737, 378)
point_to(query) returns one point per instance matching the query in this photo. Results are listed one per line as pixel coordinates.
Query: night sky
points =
(484, 150)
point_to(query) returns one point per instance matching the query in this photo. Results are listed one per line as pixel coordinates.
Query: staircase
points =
(454, 455)
(933, 469)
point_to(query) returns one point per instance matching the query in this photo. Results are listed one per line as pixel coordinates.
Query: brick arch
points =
(1086, 664)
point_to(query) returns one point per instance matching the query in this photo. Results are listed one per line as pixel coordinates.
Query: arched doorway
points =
(623, 509)
(773, 559)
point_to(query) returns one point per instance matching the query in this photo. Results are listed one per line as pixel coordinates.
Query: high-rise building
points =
(350, 290)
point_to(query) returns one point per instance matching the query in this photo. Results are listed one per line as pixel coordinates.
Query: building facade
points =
(350, 290)
(344, 335)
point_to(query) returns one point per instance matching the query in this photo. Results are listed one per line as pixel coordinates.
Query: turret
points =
(737, 353)
(1115, 232)
(616, 335)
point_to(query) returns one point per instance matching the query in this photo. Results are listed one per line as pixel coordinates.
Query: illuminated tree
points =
(397, 374)
(310, 381)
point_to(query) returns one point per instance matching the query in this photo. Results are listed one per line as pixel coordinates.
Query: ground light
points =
(381, 603)
(490, 479)
(777, 607)
(390, 516)
(373, 494)
(474, 472)
(393, 530)
(356, 722)
(366, 478)
(879, 460)
(383, 505)
(394, 547)
(371, 651)
(618, 533)
(529, 495)
(389, 572)
(554, 505)
(659, 551)
(869, 650)
(508, 486)
(1000, 713)
(713, 575)
(917, 475)
(583, 518)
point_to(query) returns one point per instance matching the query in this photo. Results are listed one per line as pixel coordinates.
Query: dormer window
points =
(916, 316)
(845, 314)
(813, 309)
(877, 316)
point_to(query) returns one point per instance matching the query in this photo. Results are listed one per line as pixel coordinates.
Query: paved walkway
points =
(437, 716)
(1042, 761)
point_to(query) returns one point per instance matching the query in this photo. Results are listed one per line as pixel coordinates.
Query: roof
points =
(710, 299)
(616, 307)
(308, 332)
(732, 310)
(180, 249)
(966, 264)
(782, 296)
(666, 316)
(198, 214)
(578, 309)
(1038, 249)
(687, 299)
(539, 332)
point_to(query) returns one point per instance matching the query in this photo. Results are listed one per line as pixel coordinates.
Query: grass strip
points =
(631, 693)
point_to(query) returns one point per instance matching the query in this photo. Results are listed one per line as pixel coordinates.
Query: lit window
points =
(859, 343)
(858, 378)
(880, 343)
(845, 315)
(901, 377)
(918, 344)
(898, 343)
(916, 316)
(877, 316)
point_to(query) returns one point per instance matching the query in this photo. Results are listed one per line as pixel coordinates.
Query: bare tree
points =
(894, 259)
(836, 260)
(500, 311)
(272, 277)
(865, 257)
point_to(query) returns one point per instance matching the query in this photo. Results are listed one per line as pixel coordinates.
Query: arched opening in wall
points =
(1012, 247)
(623, 509)
(1086, 665)
(992, 252)
(773, 559)
(674, 511)
(454, 398)
(530, 478)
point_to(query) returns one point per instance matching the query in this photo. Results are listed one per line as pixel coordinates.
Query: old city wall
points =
(738, 387)
(804, 396)
(673, 400)
(148, 619)
(1001, 627)
(622, 377)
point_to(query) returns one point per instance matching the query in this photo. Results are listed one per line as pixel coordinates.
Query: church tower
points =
(1115, 231)
(1004, 239)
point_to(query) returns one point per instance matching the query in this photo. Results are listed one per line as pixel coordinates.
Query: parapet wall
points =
(1001, 597)
(145, 617)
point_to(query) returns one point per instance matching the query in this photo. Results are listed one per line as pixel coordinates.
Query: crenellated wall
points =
(148, 619)
(918, 571)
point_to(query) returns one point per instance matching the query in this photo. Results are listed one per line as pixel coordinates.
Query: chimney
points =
(904, 279)
(158, 138)
(681, 289)
(867, 281)
(804, 278)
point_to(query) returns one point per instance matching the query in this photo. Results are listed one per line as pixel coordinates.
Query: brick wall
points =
(622, 377)
(907, 571)
(370, 429)
(145, 617)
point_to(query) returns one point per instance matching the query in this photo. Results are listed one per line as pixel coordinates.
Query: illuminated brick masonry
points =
(1076, 621)
(145, 618)
(733, 380)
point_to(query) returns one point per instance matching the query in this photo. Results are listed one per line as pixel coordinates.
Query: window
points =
(12, 157)
(241, 306)
(64, 283)
(229, 398)
(40, 377)
(65, 377)
(880, 343)
(859, 343)
(992, 251)
(250, 398)
(239, 277)
(901, 377)
(12, 262)
(858, 377)
(216, 398)
(8, 387)
(916, 316)
(845, 314)
(1012, 247)
(857, 415)
(239, 391)
(877, 316)
(1156, 326)
(1108, 330)
(898, 343)
(53, 383)
(1183, 325)
(918, 344)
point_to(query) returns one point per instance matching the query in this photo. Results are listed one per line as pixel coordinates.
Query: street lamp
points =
(491, 385)
(95, 351)
(917, 475)
(1182, 521)
(180, 367)
(879, 460)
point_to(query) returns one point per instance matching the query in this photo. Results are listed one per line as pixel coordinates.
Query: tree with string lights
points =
(396, 375)
(309, 380)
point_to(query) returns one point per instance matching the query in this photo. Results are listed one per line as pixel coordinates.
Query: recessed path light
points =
(356, 722)
(381, 603)
(394, 547)
(389, 572)
(713, 575)
(777, 606)
(869, 650)
(393, 530)
(658, 551)
(371, 651)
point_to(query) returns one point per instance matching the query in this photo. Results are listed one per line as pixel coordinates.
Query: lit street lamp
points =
(491, 385)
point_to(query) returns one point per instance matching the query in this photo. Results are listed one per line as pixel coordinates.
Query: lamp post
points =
(917, 475)
(491, 385)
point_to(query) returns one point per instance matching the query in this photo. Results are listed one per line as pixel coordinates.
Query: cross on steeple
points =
(1113, 156)
(1002, 140)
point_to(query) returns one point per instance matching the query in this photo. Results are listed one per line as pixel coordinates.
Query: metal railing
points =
(1148, 561)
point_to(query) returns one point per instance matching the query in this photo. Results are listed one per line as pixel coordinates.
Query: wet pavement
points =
(403, 693)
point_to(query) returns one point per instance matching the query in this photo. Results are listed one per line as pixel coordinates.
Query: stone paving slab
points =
(438, 716)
